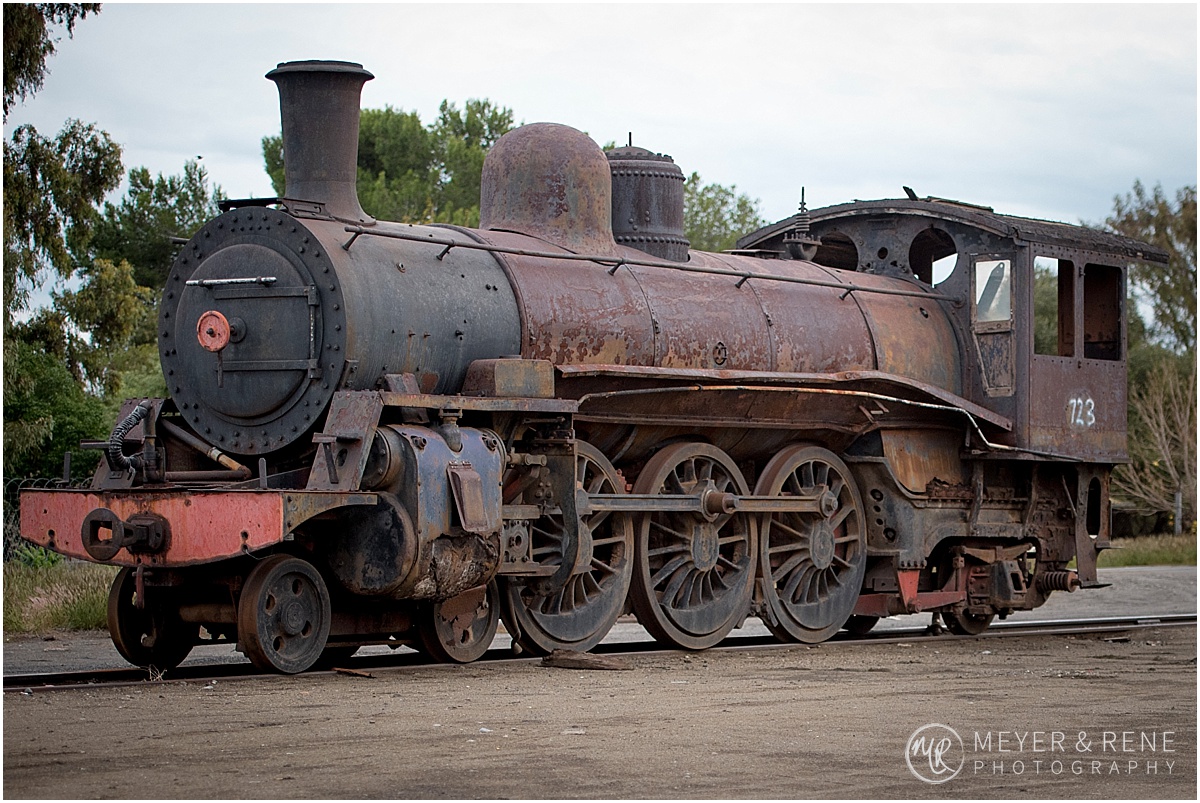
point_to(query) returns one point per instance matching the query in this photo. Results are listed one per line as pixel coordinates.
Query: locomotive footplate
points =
(203, 526)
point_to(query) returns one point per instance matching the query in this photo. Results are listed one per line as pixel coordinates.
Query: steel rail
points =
(207, 673)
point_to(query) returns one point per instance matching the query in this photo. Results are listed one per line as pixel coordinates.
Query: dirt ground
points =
(1037, 717)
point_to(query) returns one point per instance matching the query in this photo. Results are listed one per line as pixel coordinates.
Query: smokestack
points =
(319, 104)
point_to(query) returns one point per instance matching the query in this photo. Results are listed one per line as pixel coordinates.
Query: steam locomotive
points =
(382, 433)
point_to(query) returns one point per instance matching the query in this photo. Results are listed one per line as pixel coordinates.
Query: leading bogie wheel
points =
(150, 634)
(283, 615)
(460, 630)
(579, 613)
(694, 572)
(812, 564)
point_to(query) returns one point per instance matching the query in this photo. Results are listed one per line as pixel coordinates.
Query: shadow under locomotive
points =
(390, 433)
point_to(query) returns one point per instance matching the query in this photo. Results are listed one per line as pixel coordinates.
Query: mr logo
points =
(935, 753)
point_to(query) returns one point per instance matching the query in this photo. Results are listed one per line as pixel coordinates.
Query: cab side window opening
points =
(932, 256)
(1102, 298)
(993, 290)
(1053, 306)
(837, 251)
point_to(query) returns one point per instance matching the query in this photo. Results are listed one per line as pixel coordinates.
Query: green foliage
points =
(140, 228)
(461, 141)
(63, 596)
(36, 557)
(46, 413)
(714, 216)
(51, 188)
(413, 173)
(28, 43)
(1169, 289)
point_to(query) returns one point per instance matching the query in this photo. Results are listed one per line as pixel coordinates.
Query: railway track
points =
(206, 673)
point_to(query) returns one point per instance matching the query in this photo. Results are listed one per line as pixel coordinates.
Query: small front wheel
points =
(149, 635)
(284, 615)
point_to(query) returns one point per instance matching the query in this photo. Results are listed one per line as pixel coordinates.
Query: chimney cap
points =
(350, 67)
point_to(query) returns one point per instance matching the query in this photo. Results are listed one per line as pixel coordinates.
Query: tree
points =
(413, 173)
(1162, 441)
(462, 140)
(51, 191)
(51, 188)
(1162, 367)
(1169, 289)
(46, 413)
(714, 216)
(115, 313)
(28, 43)
(143, 228)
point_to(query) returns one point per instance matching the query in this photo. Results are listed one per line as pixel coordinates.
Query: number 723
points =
(1082, 411)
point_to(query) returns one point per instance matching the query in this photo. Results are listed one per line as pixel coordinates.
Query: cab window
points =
(1103, 293)
(993, 290)
(1053, 306)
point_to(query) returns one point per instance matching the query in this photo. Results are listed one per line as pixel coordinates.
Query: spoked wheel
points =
(283, 615)
(694, 572)
(577, 615)
(966, 624)
(150, 636)
(812, 564)
(460, 629)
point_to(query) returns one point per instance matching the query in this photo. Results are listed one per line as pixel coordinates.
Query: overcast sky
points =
(1040, 110)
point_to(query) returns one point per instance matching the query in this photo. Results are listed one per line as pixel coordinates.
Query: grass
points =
(63, 596)
(1151, 550)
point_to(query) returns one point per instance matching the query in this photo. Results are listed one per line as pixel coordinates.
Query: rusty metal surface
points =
(845, 381)
(647, 193)
(319, 106)
(913, 337)
(475, 403)
(551, 182)
(204, 526)
(812, 328)
(918, 457)
(1078, 407)
(593, 317)
(344, 445)
(706, 322)
(981, 217)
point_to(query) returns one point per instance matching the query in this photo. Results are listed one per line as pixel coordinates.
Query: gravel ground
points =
(829, 721)
(1037, 717)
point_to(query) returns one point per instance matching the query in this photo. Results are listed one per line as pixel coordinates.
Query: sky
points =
(1039, 110)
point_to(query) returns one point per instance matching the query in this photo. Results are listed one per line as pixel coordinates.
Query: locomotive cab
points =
(1039, 309)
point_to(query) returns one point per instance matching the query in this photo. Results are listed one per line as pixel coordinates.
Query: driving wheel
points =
(579, 613)
(812, 564)
(694, 572)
